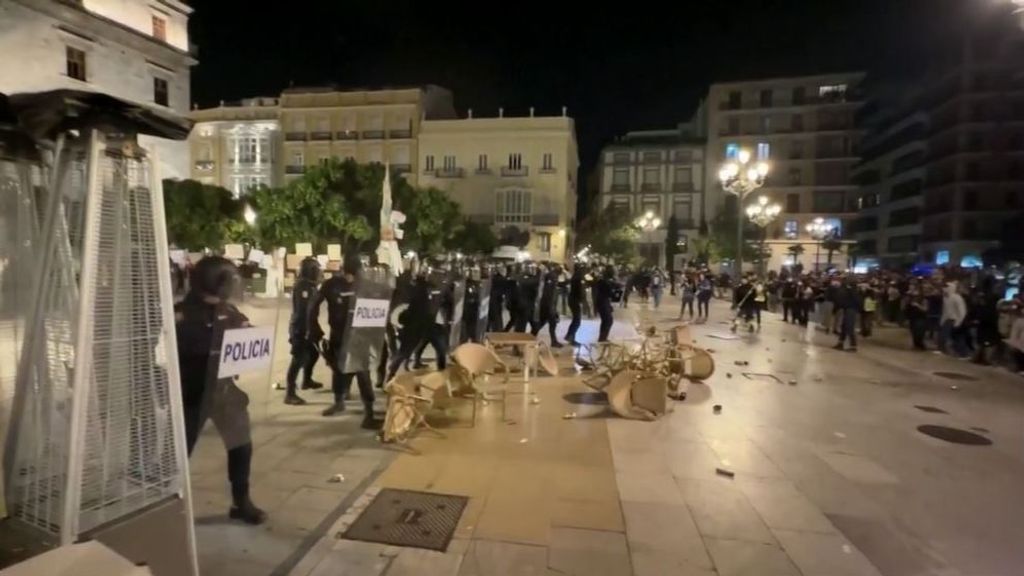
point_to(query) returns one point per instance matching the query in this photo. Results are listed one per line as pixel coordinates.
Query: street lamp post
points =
(649, 222)
(819, 230)
(741, 177)
(762, 214)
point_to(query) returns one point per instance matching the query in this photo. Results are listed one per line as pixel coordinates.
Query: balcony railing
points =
(372, 135)
(346, 135)
(450, 173)
(291, 169)
(621, 188)
(548, 170)
(650, 187)
(510, 172)
(402, 133)
(205, 165)
(545, 220)
(682, 186)
(294, 136)
(483, 171)
(247, 160)
(320, 135)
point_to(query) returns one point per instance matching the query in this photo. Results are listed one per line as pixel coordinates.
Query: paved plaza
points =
(830, 475)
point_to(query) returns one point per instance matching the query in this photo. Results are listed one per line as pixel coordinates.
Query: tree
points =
(706, 250)
(433, 221)
(795, 251)
(474, 238)
(832, 245)
(672, 242)
(200, 215)
(610, 232)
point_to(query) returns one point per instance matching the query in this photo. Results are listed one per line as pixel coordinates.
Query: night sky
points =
(642, 65)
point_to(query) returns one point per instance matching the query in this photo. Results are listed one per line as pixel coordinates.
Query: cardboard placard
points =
(234, 251)
(334, 251)
(246, 350)
(256, 256)
(304, 249)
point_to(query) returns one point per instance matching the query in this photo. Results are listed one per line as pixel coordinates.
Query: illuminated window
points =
(942, 257)
(513, 207)
(159, 28)
(764, 151)
(732, 150)
(834, 92)
(791, 229)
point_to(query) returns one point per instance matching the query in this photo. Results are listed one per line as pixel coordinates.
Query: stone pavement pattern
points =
(831, 476)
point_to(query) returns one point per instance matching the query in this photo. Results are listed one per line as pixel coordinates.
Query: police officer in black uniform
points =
(304, 350)
(495, 321)
(200, 321)
(547, 308)
(576, 296)
(603, 291)
(513, 297)
(471, 305)
(528, 288)
(441, 311)
(339, 293)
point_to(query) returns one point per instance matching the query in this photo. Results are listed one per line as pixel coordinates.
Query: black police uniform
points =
(200, 330)
(575, 304)
(438, 321)
(547, 309)
(513, 297)
(339, 293)
(499, 287)
(603, 290)
(304, 350)
(526, 313)
(470, 311)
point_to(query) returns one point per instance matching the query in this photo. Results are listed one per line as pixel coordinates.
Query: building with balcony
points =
(657, 171)
(365, 125)
(942, 174)
(137, 50)
(804, 128)
(508, 172)
(237, 146)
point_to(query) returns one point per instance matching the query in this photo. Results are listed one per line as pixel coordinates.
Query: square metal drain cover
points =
(409, 518)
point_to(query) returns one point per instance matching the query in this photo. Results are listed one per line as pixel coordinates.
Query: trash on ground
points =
(568, 416)
(728, 374)
(336, 479)
(839, 435)
(717, 408)
(724, 472)
(523, 440)
(847, 548)
(954, 387)
(792, 382)
(534, 400)
(741, 363)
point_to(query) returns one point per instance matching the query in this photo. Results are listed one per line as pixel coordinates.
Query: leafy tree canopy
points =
(199, 215)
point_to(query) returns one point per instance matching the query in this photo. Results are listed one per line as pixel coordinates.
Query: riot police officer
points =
(471, 305)
(528, 288)
(440, 312)
(576, 296)
(200, 322)
(547, 308)
(339, 293)
(304, 350)
(495, 322)
(513, 297)
(603, 296)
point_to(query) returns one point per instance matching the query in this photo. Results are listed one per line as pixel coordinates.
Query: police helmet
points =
(215, 276)
(309, 269)
(352, 264)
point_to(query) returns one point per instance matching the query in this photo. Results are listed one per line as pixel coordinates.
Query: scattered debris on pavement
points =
(534, 400)
(954, 387)
(792, 382)
(728, 374)
(336, 479)
(717, 409)
(523, 440)
(741, 363)
(568, 416)
(724, 472)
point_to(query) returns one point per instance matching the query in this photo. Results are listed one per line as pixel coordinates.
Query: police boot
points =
(336, 409)
(293, 400)
(247, 512)
(369, 422)
(311, 385)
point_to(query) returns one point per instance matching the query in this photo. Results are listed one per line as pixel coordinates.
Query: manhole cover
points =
(954, 435)
(760, 377)
(931, 409)
(955, 376)
(409, 518)
(586, 398)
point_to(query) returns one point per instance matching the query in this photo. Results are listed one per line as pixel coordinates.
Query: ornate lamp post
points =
(649, 222)
(741, 177)
(819, 230)
(762, 214)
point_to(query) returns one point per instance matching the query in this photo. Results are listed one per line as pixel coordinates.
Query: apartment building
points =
(365, 125)
(804, 128)
(137, 50)
(942, 174)
(659, 172)
(508, 172)
(237, 145)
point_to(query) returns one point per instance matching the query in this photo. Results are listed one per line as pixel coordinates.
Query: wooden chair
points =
(474, 362)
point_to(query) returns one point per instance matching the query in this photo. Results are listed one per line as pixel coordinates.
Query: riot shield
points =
(458, 292)
(477, 326)
(362, 342)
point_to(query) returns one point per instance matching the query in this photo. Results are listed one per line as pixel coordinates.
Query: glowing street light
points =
(819, 230)
(762, 214)
(741, 177)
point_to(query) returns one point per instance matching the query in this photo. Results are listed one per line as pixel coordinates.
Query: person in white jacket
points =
(954, 312)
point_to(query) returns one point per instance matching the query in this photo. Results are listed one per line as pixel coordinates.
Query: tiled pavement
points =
(831, 477)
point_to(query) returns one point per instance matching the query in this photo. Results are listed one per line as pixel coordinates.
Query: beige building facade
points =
(659, 172)
(804, 127)
(366, 125)
(508, 172)
(237, 146)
